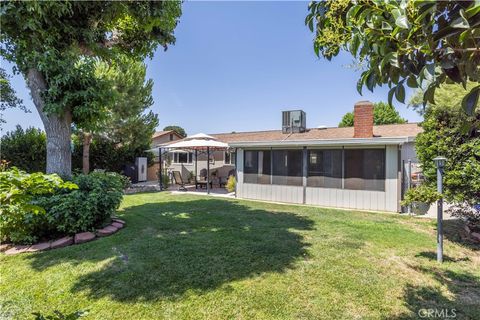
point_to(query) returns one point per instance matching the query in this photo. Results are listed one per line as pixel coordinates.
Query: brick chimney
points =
(363, 119)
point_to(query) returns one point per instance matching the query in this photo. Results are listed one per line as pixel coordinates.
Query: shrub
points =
(33, 206)
(231, 183)
(165, 179)
(25, 149)
(422, 193)
(96, 199)
(22, 218)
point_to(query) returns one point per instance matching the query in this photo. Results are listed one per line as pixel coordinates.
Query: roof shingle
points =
(385, 131)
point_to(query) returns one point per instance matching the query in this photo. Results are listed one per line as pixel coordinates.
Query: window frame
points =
(231, 155)
(175, 158)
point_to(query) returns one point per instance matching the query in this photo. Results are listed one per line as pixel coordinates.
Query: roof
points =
(162, 133)
(390, 132)
(383, 134)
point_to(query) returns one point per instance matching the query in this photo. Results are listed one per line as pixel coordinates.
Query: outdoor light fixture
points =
(440, 164)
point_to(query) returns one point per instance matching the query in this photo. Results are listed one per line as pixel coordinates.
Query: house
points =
(359, 167)
(160, 138)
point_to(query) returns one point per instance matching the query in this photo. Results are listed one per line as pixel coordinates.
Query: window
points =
(229, 157)
(365, 169)
(182, 157)
(287, 167)
(171, 136)
(257, 166)
(325, 168)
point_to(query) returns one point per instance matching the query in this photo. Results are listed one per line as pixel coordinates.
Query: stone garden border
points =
(78, 238)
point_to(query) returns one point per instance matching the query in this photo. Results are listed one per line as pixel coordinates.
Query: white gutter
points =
(323, 142)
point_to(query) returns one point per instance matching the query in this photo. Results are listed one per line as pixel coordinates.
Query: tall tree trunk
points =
(57, 128)
(87, 139)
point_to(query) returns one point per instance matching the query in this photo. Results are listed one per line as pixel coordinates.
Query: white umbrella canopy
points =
(197, 144)
(200, 136)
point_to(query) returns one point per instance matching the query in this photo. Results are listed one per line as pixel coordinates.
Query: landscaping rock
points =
(84, 237)
(5, 246)
(62, 242)
(17, 249)
(39, 247)
(117, 225)
(118, 220)
(106, 231)
(475, 236)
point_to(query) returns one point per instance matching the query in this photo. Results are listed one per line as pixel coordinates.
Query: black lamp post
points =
(440, 164)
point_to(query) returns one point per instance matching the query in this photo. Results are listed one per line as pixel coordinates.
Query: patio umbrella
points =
(202, 142)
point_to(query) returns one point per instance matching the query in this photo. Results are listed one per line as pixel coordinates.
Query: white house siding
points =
(387, 200)
(219, 165)
(268, 192)
(343, 198)
(408, 152)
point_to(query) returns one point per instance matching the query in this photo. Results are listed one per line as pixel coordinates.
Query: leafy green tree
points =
(450, 132)
(57, 45)
(128, 126)
(25, 149)
(177, 129)
(420, 44)
(383, 113)
(8, 97)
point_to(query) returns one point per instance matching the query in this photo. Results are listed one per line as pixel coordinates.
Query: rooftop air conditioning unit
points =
(294, 121)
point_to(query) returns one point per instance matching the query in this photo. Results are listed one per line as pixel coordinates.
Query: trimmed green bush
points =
(96, 199)
(22, 218)
(422, 193)
(231, 183)
(36, 206)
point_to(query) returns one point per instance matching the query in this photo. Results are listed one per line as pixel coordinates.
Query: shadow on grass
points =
(433, 256)
(171, 248)
(459, 299)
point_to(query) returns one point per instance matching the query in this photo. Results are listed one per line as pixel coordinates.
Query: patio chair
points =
(177, 177)
(202, 180)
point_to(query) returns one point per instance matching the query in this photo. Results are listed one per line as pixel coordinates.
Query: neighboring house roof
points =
(162, 133)
(392, 133)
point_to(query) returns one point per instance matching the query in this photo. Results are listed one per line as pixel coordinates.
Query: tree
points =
(8, 96)
(56, 46)
(383, 113)
(421, 44)
(449, 132)
(128, 125)
(177, 129)
(25, 149)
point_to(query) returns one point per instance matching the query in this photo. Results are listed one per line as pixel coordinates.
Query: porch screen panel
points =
(264, 167)
(325, 168)
(287, 167)
(365, 169)
(250, 166)
(257, 167)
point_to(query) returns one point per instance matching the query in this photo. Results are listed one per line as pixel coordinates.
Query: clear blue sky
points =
(235, 67)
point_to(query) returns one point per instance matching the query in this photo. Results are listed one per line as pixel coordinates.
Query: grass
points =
(191, 257)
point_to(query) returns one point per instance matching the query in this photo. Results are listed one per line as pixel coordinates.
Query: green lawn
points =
(191, 257)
